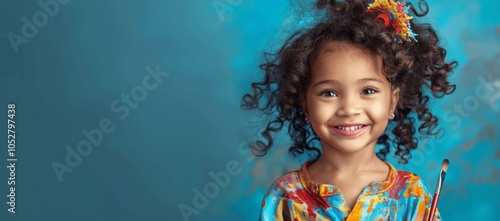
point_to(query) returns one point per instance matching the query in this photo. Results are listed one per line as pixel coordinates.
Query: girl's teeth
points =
(350, 128)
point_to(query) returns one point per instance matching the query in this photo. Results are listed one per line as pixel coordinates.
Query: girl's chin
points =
(350, 145)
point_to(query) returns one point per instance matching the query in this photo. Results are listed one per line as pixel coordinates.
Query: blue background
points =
(66, 78)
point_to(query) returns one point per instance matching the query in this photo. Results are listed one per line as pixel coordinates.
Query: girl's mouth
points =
(350, 128)
(348, 131)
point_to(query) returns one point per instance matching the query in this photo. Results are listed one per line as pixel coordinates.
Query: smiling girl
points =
(354, 80)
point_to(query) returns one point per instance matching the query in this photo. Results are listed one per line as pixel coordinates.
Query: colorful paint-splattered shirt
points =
(294, 196)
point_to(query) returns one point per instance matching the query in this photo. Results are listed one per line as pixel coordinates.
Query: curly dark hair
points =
(412, 66)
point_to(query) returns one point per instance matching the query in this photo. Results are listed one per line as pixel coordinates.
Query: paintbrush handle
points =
(432, 211)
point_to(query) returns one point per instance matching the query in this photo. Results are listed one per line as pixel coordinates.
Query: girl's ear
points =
(394, 99)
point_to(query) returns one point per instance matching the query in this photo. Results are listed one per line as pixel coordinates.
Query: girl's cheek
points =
(323, 111)
(379, 110)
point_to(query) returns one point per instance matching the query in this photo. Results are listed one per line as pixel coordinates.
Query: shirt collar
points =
(331, 190)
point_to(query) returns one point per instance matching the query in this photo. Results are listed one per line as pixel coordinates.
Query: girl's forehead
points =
(337, 48)
(346, 62)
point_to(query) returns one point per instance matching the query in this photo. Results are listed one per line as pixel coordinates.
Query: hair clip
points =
(386, 19)
(395, 15)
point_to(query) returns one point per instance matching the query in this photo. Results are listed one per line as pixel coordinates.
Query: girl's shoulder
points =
(404, 175)
(408, 176)
(410, 184)
(286, 183)
(294, 185)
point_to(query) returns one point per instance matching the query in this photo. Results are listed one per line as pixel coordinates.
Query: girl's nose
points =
(349, 107)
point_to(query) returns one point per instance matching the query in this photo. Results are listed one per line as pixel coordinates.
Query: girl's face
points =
(349, 100)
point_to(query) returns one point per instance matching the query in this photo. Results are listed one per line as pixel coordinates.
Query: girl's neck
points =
(349, 163)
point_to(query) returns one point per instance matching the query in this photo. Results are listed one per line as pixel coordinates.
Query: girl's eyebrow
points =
(362, 80)
(325, 82)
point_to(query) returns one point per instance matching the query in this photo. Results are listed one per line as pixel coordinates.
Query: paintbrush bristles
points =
(444, 167)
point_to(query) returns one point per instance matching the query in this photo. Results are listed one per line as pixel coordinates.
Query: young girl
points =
(354, 80)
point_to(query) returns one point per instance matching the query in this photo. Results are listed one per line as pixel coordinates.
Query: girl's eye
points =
(369, 91)
(329, 94)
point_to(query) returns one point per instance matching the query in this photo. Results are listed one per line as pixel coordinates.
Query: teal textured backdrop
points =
(129, 110)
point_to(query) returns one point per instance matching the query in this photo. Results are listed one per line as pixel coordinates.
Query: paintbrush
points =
(442, 174)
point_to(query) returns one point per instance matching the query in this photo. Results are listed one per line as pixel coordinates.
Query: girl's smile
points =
(346, 130)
